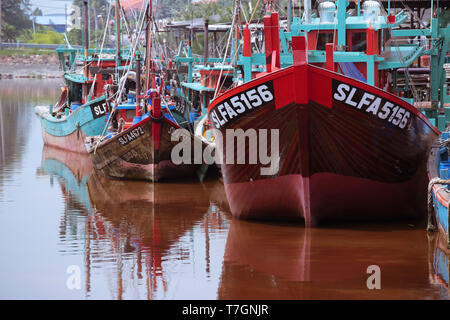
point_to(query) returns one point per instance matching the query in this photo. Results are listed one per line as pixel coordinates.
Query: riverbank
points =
(29, 65)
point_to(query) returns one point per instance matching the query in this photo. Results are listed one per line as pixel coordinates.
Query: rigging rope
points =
(226, 50)
(430, 206)
(118, 94)
(400, 55)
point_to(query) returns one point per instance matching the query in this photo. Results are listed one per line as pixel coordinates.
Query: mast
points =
(86, 48)
(138, 86)
(205, 46)
(236, 31)
(148, 54)
(118, 58)
(154, 94)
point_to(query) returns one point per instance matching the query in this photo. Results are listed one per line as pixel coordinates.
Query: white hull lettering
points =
(242, 103)
(131, 136)
(98, 111)
(364, 101)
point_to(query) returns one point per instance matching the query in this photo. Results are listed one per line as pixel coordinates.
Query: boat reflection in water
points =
(141, 240)
(268, 261)
(153, 227)
(439, 265)
(138, 240)
(72, 171)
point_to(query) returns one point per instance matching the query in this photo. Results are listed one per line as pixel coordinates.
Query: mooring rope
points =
(430, 206)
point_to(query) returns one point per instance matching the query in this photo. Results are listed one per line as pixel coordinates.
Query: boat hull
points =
(69, 132)
(338, 159)
(132, 154)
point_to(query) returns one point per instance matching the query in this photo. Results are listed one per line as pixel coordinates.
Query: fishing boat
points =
(347, 150)
(81, 109)
(67, 124)
(143, 151)
(438, 190)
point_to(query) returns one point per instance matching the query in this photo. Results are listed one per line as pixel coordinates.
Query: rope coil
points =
(154, 119)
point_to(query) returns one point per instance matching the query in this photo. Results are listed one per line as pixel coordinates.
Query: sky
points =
(51, 6)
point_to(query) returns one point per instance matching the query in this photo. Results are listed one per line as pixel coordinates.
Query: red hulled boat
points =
(347, 150)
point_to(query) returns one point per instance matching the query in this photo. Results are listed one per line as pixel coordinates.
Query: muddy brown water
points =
(68, 233)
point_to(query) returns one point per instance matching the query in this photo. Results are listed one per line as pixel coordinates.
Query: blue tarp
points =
(350, 70)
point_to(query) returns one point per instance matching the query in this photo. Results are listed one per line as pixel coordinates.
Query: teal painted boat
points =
(69, 129)
(81, 110)
(82, 107)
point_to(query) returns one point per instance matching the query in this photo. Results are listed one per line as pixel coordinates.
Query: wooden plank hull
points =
(132, 154)
(346, 151)
(73, 142)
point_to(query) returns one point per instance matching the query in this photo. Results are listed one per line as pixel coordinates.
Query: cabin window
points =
(76, 94)
(322, 39)
(227, 82)
(359, 42)
(130, 85)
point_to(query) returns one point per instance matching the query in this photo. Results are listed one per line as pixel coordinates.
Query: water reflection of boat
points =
(72, 171)
(144, 222)
(156, 211)
(108, 194)
(267, 261)
(438, 262)
(439, 201)
(135, 232)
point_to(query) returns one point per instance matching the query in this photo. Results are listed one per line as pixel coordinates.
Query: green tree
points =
(75, 37)
(96, 8)
(15, 18)
(98, 11)
(47, 36)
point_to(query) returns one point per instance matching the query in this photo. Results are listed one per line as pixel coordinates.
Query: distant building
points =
(57, 22)
(74, 18)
